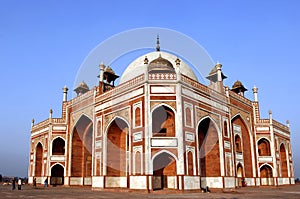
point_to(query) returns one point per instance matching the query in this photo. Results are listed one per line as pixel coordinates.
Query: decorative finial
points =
(218, 65)
(157, 43)
(50, 113)
(255, 89)
(102, 66)
(270, 111)
(177, 61)
(65, 89)
(146, 60)
(288, 122)
(32, 122)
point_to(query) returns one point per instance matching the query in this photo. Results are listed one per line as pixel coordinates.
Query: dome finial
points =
(157, 43)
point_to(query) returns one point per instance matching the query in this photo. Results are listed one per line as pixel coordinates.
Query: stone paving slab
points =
(290, 192)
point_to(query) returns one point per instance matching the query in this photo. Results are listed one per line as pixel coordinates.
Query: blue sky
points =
(43, 43)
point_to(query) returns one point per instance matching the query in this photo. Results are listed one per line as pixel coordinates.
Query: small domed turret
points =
(81, 88)
(238, 88)
(161, 65)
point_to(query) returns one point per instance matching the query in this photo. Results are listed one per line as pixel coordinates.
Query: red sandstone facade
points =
(160, 129)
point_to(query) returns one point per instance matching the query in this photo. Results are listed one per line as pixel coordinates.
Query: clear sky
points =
(43, 43)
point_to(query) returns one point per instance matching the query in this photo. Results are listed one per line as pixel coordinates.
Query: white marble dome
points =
(137, 67)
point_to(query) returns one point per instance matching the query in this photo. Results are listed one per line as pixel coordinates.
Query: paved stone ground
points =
(27, 191)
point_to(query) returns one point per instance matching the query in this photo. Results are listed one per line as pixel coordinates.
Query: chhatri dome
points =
(159, 61)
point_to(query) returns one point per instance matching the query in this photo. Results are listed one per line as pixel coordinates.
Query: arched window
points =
(58, 146)
(137, 119)
(238, 144)
(163, 122)
(190, 163)
(188, 117)
(225, 129)
(99, 128)
(264, 147)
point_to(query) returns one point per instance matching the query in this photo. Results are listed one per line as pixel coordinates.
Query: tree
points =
(0, 177)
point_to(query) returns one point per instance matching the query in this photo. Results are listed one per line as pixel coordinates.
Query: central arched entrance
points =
(164, 169)
(117, 145)
(81, 160)
(57, 175)
(243, 149)
(266, 175)
(209, 152)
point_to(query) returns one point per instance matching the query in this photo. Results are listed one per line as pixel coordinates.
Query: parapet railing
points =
(208, 91)
(122, 87)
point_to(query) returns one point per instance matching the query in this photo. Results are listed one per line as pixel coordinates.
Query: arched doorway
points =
(238, 143)
(38, 160)
(209, 152)
(245, 153)
(266, 175)
(58, 146)
(264, 147)
(163, 122)
(81, 161)
(164, 169)
(283, 161)
(117, 145)
(57, 175)
(239, 174)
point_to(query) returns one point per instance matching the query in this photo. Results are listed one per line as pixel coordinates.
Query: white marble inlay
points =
(164, 142)
(189, 137)
(162, 89)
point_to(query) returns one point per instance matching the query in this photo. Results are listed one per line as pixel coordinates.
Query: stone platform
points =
(292, 191)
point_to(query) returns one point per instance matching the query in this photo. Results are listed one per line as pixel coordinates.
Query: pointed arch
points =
(58, 146)
(190, 163)
(283, 161)
(266, 174)
(225, 127)
(266, 171)
(164, 166)
(239, 170)
(57, 174)
(112, 120)
(188, 116)
(263, 147)
(117, 145)
(163, 121)
(246, 142)
(137, 116)
(164, 151)
(83, 115)
(137, 163)
(208, 148)
(238, 143)
(81, 147)
(240, 173)
(38, 160)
